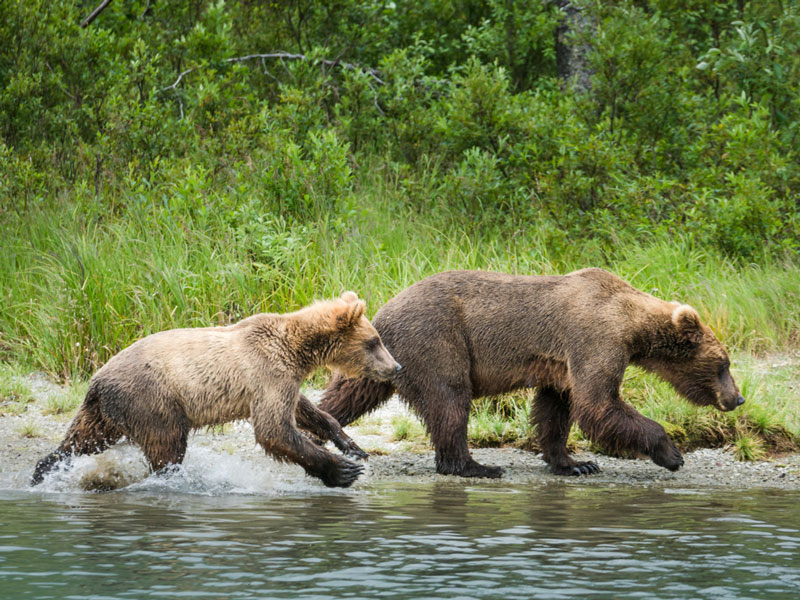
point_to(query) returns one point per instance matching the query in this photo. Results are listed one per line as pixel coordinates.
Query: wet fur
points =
(465, 334)
(163, 386)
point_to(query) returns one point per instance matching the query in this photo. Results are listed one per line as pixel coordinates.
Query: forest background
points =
(191, 162)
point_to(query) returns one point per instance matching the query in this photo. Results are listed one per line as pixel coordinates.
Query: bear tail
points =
(347, 399)
(89, 433)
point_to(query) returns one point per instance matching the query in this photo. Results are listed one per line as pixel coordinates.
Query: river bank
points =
(26, 437)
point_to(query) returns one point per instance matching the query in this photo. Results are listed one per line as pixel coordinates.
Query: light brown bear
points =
(159, 388)
(465, 334)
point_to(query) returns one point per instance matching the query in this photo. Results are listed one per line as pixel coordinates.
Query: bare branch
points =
(282, 56)
(95, 13)
(373, 73)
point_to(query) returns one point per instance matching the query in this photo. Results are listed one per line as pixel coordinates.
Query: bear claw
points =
(585, 468)
(577, 469)
(344, 475)
(354, 451)
(668, 456)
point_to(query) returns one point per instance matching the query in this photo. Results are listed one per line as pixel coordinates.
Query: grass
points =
(748, 447)
(406, 428)
(67, 402)
(369, 424)
(15, 393)
(220, 429)
(79, 287)
(29, 429)
(498, 421)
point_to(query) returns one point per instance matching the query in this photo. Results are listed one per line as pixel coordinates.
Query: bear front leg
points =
(617, 426)
(323, 425)
(446, 415)
(551, 416)
(273, 422)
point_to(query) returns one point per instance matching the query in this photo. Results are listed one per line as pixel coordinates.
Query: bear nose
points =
(740, 400)
(398, 367)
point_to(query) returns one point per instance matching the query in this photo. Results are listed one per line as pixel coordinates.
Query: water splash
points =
(205, 471)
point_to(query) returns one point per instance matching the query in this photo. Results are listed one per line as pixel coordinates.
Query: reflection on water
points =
(442, 540)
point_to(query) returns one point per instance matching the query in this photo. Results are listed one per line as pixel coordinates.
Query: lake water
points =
(211, 535)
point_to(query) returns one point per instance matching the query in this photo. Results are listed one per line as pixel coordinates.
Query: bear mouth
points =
(732, 404)
(381, 374)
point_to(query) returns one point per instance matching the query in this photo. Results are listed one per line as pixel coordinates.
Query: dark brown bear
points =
(465, 334)
(158, 389)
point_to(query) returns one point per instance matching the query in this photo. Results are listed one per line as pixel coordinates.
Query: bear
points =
(162, 386)
(466, 334)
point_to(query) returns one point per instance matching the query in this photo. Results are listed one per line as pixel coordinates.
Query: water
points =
(200, 534)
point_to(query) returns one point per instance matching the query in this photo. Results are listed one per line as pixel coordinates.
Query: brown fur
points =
(158, 389)
(465, 334)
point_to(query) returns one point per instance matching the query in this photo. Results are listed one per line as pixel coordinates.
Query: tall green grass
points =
(81, 281)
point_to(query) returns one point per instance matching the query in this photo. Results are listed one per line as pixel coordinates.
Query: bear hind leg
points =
(89, 433)
(164, 446)
(551, 416)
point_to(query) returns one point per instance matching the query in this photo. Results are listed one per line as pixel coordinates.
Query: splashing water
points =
(205, 471)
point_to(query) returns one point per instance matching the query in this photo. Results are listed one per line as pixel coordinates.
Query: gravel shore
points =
(393, 461)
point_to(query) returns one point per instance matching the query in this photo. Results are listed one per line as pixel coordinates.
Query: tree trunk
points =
(572, 48)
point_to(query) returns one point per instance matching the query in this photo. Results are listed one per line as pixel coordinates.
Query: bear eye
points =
(372, 343)
(724, 367)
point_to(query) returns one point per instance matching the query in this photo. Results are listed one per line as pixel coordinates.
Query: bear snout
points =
(384, 370)
(385, 373)
(731, 403)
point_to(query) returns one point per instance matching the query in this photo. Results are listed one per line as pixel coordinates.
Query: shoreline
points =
(390, 460)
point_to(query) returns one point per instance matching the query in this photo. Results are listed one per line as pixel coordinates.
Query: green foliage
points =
(155, 174)
(67, 401)
(29, 429)
(499, 421)
(15, 393)
(406, 428)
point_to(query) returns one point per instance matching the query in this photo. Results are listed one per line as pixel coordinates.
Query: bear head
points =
(700, 368)
(358, 351)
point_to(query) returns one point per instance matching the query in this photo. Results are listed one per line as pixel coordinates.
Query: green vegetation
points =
(151, 177)
(15, 393)
(500, 421)
(67, 402)
(29, 429)
(407, 428)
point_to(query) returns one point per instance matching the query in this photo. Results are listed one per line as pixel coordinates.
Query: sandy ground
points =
(399, 461)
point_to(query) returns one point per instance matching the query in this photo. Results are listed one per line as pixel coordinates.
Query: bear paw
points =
(351, 449)
(479, 470)
(576, 468)
(342, 474)
(472, 469)
(667, 455)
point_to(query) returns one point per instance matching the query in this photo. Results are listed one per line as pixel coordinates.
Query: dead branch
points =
(373, 73)
(95, 13)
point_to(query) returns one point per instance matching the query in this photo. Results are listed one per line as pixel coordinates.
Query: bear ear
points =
(350, 314)
(350, 297)
(687, 321)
